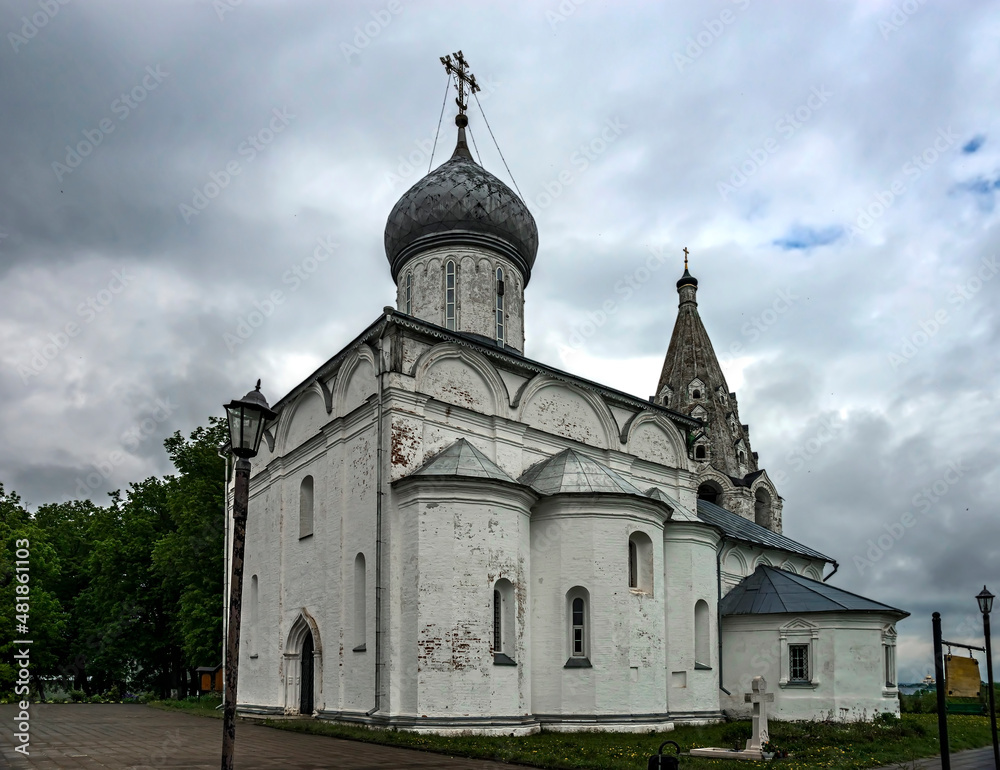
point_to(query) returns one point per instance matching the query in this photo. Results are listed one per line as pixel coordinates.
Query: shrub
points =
(77, 696)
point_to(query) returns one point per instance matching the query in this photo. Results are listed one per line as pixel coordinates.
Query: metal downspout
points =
(379, 432)
(835, 568)
(718, 607)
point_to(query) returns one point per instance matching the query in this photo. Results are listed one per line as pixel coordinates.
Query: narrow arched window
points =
(578, 627)
(702, 643)
(500, 318)
(497, 622)
(640, 562)
(699, 452)
(360, 603)
(762, 508)
(408, 290)
(504, 623)
(579, 640)
(306, 507)
(449, 295)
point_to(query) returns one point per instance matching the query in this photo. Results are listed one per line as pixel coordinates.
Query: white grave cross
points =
(759, 698)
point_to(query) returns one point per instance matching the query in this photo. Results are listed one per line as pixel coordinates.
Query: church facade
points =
(448, 536)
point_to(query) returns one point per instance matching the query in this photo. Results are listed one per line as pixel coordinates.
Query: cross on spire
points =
(685, 258)
(460, 69)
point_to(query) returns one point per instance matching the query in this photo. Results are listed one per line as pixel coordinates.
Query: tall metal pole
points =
(989, 682)
(941, 707)
(241, 497)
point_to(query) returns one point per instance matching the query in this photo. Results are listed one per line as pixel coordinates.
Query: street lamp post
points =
(985, 599)
(247, 419)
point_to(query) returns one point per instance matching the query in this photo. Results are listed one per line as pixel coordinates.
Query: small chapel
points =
(448, 536)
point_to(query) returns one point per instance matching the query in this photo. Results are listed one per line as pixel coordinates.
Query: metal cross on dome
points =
(460, 69)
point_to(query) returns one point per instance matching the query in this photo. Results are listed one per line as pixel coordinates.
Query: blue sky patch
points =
(800, 237)
(973, 144)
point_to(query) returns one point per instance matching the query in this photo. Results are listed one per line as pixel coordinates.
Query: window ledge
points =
(702, 667)
(639, 591)
(303, 537)
(578, 663)
(253, 655)
(361, 648)
(799, 685)
(890, 693)
(499, 659)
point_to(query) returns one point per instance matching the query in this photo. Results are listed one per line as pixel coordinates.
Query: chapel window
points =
(500, 314)
(699, 452)
(504, 628)
(798, 662)
(360, 604)
(409, 293)
(306, 507)
(449, 295)
(640, 562)
(254, 599)
(702, 643)
(578, 612)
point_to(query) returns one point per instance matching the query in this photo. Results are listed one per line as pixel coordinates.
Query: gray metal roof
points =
(462, 459)
(460, 202)
(770, 590)
(738, 528)
(679, 511)
(569, 471)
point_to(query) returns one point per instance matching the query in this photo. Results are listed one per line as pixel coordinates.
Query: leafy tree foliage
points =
(127, 595)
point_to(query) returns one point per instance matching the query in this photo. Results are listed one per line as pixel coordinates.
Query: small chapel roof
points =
(680, 512)
(773, 591)
(571, 472)
(462, 459)
(735, 526)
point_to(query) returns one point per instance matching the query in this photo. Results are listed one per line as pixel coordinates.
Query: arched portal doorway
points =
(303, 667)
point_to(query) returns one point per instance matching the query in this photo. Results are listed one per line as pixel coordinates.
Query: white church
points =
(447, 536)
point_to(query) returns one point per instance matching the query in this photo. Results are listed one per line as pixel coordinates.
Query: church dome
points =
(462, 204)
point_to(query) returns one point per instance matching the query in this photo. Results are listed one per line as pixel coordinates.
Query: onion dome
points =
(461, 204)
(687, 279)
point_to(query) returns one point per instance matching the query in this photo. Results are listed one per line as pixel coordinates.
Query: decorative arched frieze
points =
(355, 381)
(653, 437)
(469, 380)
(548, 404)
(762, 561)
(321, 387)
(734, 561)
(301, 420)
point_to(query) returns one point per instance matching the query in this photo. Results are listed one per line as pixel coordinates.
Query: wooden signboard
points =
(962, 676)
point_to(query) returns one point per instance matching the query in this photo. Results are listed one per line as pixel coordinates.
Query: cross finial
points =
(460, 69)
(685, 257)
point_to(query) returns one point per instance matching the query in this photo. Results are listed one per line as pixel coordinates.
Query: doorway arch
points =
(303, 667)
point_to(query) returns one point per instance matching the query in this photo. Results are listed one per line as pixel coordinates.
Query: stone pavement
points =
(977, 759)
(120, 737)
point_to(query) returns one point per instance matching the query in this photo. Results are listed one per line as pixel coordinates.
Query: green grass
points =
(204, 706)
(811, 744)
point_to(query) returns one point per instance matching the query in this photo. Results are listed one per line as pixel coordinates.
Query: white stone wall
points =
(584, 543)
(475, 281)
(848, 681)
(690, 575)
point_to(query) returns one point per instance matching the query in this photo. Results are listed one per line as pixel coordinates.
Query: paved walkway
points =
(119, 737)
(977, 759)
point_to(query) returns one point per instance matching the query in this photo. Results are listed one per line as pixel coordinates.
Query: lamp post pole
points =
(247, 419)
(985, 600)
(241, 496)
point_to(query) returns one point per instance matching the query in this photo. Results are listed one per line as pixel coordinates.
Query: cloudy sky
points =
(833, 168)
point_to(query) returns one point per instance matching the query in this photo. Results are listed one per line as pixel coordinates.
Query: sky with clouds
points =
(833, 168)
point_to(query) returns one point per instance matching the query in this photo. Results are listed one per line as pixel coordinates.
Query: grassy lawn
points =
(810, 744)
